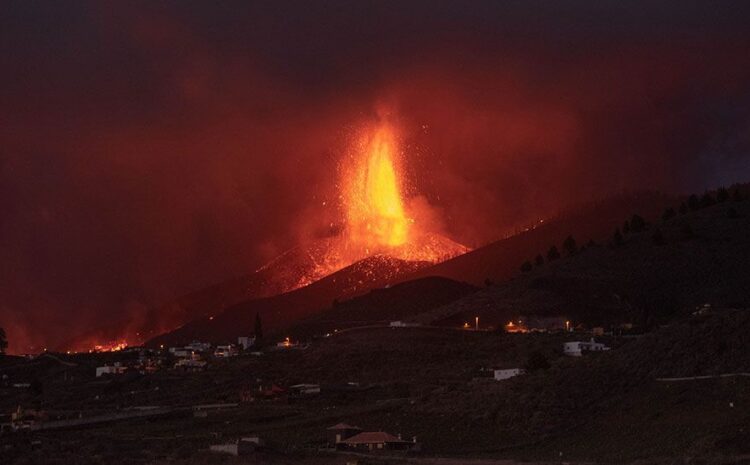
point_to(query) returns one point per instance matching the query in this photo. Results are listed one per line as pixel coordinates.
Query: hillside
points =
(279, 312)
(696, 258)
(500, 260)
(497, 261)
(381, 306)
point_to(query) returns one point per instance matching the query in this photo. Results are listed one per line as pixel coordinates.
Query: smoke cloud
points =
(147, 150)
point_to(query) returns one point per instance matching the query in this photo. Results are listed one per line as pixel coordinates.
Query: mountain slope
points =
(500, 260)
(497, 261)
(279, 312)
(696, 258)
(381, 306)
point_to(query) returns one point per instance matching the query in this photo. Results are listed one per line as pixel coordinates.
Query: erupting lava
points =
(372, 196)
(377, 219)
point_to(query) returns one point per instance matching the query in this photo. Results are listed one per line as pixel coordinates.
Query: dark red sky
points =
(148, 149)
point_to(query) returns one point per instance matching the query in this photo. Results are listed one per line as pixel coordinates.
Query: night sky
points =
(151, 148)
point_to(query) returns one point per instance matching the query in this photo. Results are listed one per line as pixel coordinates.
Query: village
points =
(281, 382)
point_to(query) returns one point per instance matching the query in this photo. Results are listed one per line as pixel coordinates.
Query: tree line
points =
(637, 224)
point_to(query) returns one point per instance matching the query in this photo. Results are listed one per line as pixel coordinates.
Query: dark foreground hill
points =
(663, 272)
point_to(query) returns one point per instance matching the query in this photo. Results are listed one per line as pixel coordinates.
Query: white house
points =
(305, 389)
(225, 351)
(403, 324)
(197, 346)
(180, 352)
(246, 342)
(115, 369)
(508, 373)
(577, 348)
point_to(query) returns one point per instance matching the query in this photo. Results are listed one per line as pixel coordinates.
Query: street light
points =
(476, 322)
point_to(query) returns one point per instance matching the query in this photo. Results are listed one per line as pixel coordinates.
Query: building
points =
(116, 369)
(304, 390)
(246, 342)
(577, 348)
(377, 441)
(542, 324)
(508, 373)
(244, 446)
(286, 344)
(197, 346)
(190, 364)
(340, 432)
(180, 352)
(24, 419)
(225, 351)
(403, 324)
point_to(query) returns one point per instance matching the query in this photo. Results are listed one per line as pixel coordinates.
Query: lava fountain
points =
(372, 196)
(376, 217)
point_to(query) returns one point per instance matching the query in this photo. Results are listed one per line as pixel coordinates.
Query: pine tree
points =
(526, 267)
(668, 214)
(553, 253)
(617, 239)
(3, 341)
(539, 260)
(693, 202)
(637, 224)
(722, 195)
(570, 245)
(683, 208)
(707, 200)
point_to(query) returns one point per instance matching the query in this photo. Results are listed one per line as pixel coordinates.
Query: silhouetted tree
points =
(737, 195)
(693, 202)
(570, 246)
(258, 330)
(668, 214)
(591, 243)
(3, 341)
(707, 200)
(683, 208)
(732, 213)
(539, 260)
(617, 239)
(553, 253)
(658, 238)
(526, 267)
(637, 224)
(722, 195)
(488, 282)
(626, 227)
(536, 361)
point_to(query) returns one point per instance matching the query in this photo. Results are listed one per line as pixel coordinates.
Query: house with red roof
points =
(378, 441)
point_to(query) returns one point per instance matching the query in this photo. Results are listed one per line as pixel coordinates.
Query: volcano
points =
(379, 241)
